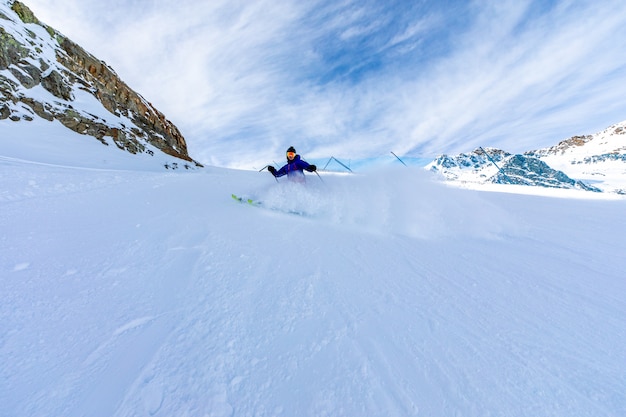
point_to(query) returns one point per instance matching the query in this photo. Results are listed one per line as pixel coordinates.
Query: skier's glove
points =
(272, 170)
(311, 168)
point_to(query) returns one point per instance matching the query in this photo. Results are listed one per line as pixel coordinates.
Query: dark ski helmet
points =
(291, 153)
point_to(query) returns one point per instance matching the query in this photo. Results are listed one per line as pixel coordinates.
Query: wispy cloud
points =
(361, 78)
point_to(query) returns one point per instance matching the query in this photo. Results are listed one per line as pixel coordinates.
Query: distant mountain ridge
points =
(594, 163)
(43, 74)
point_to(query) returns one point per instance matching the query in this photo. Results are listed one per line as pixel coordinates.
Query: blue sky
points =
(243, 80)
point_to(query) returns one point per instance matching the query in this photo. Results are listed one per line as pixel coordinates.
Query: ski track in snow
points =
(149, 294)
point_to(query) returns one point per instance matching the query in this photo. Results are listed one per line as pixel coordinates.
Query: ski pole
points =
(398, 158)
(265, 168)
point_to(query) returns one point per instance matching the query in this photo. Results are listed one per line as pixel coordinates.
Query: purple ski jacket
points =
(294, 169)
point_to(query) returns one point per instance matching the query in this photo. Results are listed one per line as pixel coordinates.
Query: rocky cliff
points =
(44, 74)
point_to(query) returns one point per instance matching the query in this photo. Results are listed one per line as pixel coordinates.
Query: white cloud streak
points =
(245, 79)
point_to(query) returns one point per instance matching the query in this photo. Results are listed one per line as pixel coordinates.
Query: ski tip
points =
(250, 201)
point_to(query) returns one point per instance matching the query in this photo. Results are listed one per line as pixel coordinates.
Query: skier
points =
(294, 168)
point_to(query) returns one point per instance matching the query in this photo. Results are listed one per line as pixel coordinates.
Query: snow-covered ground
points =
(139, 292)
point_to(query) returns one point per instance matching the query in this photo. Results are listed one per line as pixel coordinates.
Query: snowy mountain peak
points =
(591, 162)
(598, 159)
(610, 141)
(500, 167)
(44, 75)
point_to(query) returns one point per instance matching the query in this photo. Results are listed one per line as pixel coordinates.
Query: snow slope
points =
(151, 293)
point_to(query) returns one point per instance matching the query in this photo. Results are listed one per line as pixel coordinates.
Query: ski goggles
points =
(291, 154)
